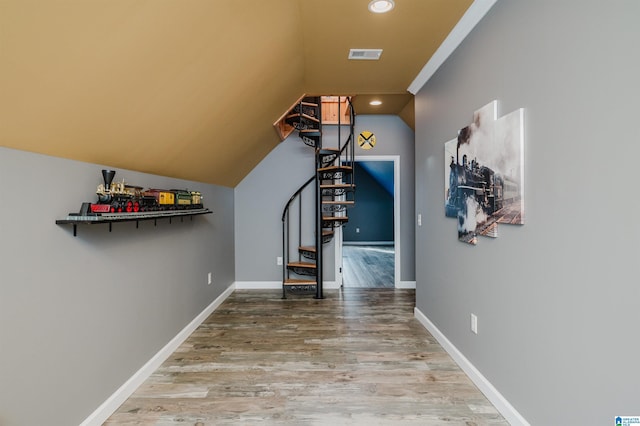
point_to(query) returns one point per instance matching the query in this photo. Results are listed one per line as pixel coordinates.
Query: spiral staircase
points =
(320, 205)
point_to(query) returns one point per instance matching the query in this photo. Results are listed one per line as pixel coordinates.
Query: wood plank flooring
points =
(358, 357)
(368, 266)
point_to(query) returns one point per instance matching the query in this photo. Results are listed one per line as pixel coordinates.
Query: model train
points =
(119, 197)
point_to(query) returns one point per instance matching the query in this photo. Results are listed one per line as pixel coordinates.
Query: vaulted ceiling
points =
(192, 88)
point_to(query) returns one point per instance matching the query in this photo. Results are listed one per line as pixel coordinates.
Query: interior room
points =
(205, 111)
(368, 243)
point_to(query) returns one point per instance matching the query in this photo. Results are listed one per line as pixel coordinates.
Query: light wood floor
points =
(358, 357)
(368, 266)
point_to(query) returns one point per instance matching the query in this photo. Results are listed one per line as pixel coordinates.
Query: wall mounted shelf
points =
(110, 218)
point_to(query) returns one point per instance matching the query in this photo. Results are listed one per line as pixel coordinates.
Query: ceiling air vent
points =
(365, 54)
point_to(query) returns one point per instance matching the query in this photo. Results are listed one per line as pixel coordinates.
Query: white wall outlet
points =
(474, 323)
(419, 219)
(279, 260)
(209, 280)
(357, 230)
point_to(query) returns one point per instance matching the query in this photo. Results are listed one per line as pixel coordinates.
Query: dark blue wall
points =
(373, 210)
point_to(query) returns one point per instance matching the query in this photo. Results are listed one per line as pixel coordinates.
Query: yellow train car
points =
(164, 198)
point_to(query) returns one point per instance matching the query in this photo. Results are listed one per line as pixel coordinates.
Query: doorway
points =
(367, 247)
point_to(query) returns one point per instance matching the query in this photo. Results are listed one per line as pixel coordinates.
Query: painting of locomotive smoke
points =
(484, 173)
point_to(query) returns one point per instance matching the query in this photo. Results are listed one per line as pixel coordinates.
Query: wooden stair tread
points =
(311, 249)
(305, 116)
(335, 218)
(301, 265)
(309, 104)
(337, 185)
(298, 281)
(335, 168)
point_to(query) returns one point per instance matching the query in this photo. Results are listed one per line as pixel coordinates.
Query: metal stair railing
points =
(286, 232)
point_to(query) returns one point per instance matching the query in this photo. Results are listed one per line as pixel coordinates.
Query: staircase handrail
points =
(352, 120)
(295, 195)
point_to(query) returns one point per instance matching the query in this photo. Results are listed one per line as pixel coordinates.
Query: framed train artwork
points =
(484, 174)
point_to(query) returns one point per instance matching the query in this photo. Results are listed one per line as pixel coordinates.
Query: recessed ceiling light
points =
(375, 103)
(381, 6)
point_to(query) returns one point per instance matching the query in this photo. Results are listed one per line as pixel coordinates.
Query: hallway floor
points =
(358, 357)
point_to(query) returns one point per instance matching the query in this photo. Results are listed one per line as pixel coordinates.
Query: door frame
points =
(396, 219)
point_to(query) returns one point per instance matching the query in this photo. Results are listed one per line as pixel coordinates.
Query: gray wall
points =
(262, 195)
(259, 202)
(394, 137)
(556, 299)
(79, 316)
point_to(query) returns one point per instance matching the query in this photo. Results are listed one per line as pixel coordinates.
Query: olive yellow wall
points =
(183, 89)
(191, 89)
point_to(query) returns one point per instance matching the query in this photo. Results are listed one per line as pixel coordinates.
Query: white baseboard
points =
(406, 284)
(102, 413)
(331, 285)
(492, 394)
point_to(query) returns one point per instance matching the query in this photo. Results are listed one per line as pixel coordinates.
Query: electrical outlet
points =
(419, 219)
(279, 260)
(474, 323)
(209, 280)
(357, 230)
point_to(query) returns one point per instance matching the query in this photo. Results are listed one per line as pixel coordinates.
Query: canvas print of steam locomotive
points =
(122, 198)
(484, 174)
